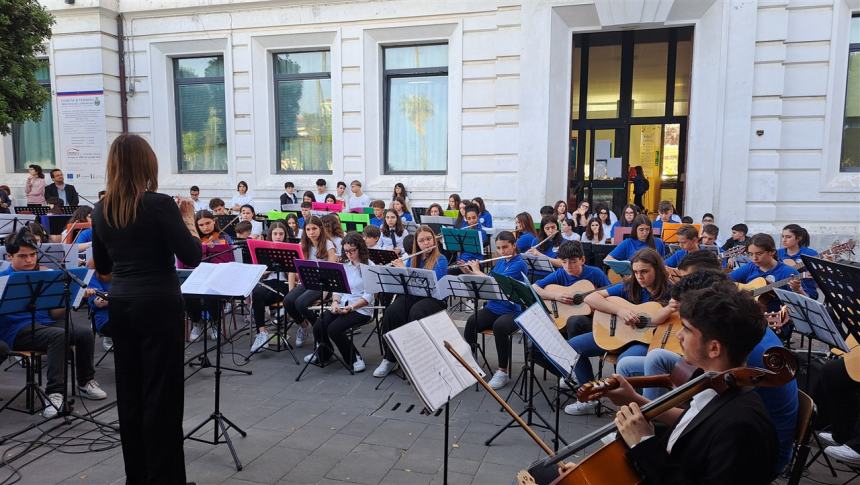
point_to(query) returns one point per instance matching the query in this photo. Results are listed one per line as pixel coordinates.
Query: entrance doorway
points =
(631, 98)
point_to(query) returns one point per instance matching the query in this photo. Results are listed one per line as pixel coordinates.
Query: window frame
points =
(177, 82)
(387, 76)
(852, 48)
(15, 134)
(276, 78)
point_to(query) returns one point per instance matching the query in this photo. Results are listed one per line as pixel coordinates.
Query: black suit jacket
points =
(732, 440)
(71, 193)
(286, 199)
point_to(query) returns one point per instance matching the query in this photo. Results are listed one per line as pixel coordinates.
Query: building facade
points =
(747, 109)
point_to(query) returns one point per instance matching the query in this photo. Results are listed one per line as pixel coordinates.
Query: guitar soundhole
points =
(578, 299)
(643, 321)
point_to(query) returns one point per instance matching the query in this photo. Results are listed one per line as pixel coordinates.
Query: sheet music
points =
(79, 296)
(538, 263)
(223, 279)
(441, 328)
(388, 280)
(543, 332)
(811, 317)
(428, 372)
(451, 285)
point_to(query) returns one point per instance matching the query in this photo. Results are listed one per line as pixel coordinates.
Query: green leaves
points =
(25, 26)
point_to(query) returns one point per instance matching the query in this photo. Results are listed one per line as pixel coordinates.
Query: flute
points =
(407, 258)
(458, 265)
(545, 240)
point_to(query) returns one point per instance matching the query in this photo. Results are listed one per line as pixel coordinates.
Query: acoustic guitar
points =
(610, 333)
(834, 250)
(666, 335)
(852, 358)
(559, 311)
(759, 286)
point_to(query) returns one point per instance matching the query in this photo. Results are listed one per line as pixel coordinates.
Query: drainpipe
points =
(123, 101)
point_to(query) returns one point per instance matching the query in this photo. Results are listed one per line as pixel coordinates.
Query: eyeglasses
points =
(350, 250)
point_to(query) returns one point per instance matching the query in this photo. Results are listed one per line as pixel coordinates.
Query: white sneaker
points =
(358, 365)
(311, 359)
(301, 335)
(843, 453)
(91, 390)
(827, 439)
(385, 368)
(52, 405)
(261, 342)
(228, 308)
(500, 379)
(581, 408)
(107, 343)
(213, 331)
(562, 383)
(196, 332)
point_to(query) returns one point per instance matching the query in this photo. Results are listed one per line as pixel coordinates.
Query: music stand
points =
(381, 257)
(476, 288)
(437, 222)
(524, 296)
(278, 258)
(227, 223)
(599, 253)
(350, 221)
(37, 210)
(539, 264)
(70, 209)
(10, 223)
(839, 283)
(327, 278)
(53, 255)
(462, 240)
(669, 234)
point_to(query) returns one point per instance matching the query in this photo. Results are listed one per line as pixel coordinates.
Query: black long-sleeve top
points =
(141, 255)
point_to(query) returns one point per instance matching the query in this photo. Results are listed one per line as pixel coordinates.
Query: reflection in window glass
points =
(302, 62)
(683, 69)
(604, 81)
(416, 56)
(33, 141)
(850, 159)
(575, 90)
(304, 125)
(418, 124)
(649, 78)
(200, 114)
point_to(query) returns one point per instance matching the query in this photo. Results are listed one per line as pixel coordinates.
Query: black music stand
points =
(70, 209)
(524, 296)
(476, 288)
(327, 278)
(227, 224)
(56, 223)
(537, 265)
(10, 223)
(381, 257)
(599, 252)
(839, 283)
(37, 210)
(278, 261)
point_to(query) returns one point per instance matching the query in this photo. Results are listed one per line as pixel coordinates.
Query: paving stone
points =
(407, 477)
(395, 433)
(365, 464)
(272, 465)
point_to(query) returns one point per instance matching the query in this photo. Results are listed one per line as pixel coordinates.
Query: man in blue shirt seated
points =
(573, 269)
(667, 214)
(378, 218)
(47, 336)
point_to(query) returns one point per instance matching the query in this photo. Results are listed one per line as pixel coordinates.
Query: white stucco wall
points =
(776, 66)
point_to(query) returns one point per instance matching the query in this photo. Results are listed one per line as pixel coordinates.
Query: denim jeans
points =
(586, 347)
(656, 362)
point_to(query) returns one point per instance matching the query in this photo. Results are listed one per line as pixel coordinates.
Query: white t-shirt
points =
(241, 200)
(359, 202)
(320, 197)
(199, 205)
(573, 236)
(313, 251)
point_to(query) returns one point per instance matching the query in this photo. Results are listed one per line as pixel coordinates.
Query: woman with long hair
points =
(525, 231)
(795, 242)
(641, 236)
(560, 211)
(408, 308)
(594, 232)
(402, 209)
(393, 232)
(242, 196)
(137, 235)
(400, 191)
(334, 230)
(34, 187)
(454, 202)
(274, 290)
(629, 213)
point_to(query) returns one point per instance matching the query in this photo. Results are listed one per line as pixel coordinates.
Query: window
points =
(416, 108)
(303, 108)
(850, 159)
(201, 132)
(33, 141)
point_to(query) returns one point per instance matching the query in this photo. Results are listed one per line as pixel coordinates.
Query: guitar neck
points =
(777, 284)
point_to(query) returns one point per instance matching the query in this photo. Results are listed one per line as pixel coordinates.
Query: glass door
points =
(602, 175)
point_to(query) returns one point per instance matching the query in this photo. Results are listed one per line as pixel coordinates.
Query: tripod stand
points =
(202, 358)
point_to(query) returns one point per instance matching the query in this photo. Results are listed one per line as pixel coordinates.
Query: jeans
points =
(586, 347)
(52, 339)
(656, 362)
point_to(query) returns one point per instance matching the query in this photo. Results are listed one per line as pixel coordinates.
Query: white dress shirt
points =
(356, 288)
(698, 403)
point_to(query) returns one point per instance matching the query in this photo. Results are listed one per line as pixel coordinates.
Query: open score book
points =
(433, 371)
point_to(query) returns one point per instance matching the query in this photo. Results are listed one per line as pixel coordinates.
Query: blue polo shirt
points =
(629, 246)
(441, 267)
(100, 315)
(513, 268)
(377, 221)
(486, 219)
(561, 277)
(526, 241)
(675, 259)
(13, 323)
(781, 271)
(86, 236)
(618, 290)
(782, 254)
(780, 402)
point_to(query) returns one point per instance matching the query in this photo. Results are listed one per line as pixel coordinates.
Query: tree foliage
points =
(24, 27)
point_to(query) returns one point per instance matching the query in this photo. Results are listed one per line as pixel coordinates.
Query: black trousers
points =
(503, 327)
(842, 403)
(332, 328)
(148, 345)
(262, 297)
(405, 309)
(4, 350)
(296, 304)
(196, 306)
(52, 340)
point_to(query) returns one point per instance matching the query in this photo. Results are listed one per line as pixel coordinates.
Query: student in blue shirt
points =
(795, 242)
(667, 214)
(573, 269)
(525, 231)
(641, 236)
(484, 217)
(649, 282)
(762, 251)
(498, 315)
(399, 206)
(688, 241)
(469, 222)
(408, 308)
(48, 336)
(550, 239)
(627, 215)
(378, 218)
(99, 307)
(306, 213)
